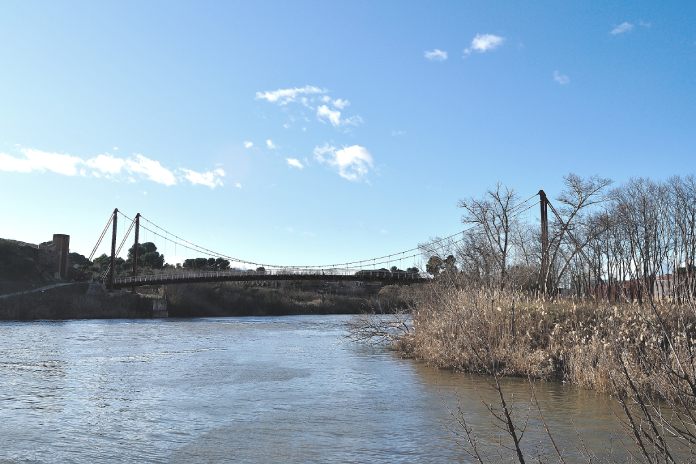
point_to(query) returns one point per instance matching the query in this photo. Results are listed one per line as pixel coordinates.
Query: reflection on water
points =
(289, 389)
(581, 422)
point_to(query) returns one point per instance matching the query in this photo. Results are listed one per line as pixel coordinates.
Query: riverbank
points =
(642, 355)
(72, 300)
(30, 289)
(77, 300)
(583, 342)
(281, 299)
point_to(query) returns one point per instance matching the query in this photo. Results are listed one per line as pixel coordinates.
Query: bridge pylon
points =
(112, 262)
(136, 246)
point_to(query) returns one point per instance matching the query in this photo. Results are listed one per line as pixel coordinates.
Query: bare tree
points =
(572, 215)
(494, 216)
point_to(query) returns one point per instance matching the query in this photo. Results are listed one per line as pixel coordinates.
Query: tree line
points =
(150, 259)
(629, 242)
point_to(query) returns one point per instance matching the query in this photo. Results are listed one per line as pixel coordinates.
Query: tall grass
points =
(482, 330)
(644, 355)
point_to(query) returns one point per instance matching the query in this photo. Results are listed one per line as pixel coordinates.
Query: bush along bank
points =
(583, 342)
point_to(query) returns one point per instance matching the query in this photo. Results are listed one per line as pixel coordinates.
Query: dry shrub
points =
(644, 355)
(510, 333)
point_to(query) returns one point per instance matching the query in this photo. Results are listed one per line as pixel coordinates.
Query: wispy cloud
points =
(435, 55)
(482, 43)
(352, 163)
(107, 166)
(325, 107)
(248, 144)
(626, 27)
(210, 179)
(333, 116)
(295, 163)
(562, 79)
(41, 161)
(324, 113)
(285, 96)
(151, 169)
(340, 103)
(270, 145)
(622, 28)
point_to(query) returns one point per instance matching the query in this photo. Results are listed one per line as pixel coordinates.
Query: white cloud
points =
(42, 161)
(210, 179)
(11, 164)
(483, 43)
(352, 121)
(105, 165)
(622, 28)
(151, 169)
(54, 162)
(270, 145)
(295, 163)
(248, 144)
(562, 79)
(627, 26)
(315, 99)
(353, 163)
(285, 96)
(340, 103)
(238, 185)
(324, 113)
(333, 116)
(435, 55)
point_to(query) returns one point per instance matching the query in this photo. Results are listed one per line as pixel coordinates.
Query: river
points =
(276, 389)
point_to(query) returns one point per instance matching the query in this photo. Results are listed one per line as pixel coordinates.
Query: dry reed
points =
(510, 333)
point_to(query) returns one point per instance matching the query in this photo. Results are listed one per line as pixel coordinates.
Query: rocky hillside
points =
(22, 266)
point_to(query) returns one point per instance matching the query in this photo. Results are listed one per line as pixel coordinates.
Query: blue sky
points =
(305, 132)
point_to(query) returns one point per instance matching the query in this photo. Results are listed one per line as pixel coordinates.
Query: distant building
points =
(56, 254)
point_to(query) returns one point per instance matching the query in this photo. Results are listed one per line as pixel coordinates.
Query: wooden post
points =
(112, 265)
(544, 270)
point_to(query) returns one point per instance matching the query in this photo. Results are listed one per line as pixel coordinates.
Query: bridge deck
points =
(252, 276)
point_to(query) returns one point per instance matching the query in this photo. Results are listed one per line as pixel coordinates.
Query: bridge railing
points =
(289, 273)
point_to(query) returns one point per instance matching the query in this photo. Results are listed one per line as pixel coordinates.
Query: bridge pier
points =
(159, 307)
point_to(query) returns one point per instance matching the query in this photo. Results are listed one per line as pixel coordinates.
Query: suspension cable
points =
(515, 211)
(118, 250)
(101, 237)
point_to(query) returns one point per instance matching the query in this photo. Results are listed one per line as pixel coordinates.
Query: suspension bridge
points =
(374, 269)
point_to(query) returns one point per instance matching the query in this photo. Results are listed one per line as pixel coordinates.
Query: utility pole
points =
(544, 271)
(112, 265)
